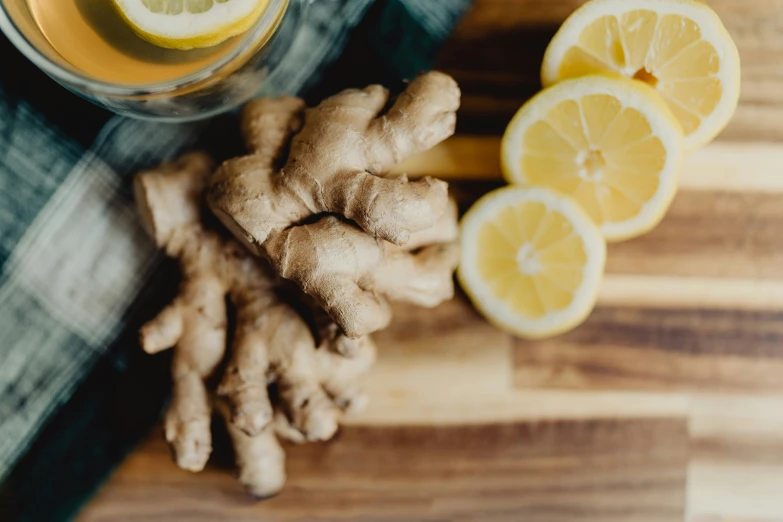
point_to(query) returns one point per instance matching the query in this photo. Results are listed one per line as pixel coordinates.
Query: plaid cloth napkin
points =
(78, 275)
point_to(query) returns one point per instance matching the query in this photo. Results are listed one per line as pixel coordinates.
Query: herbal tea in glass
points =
(170, 59)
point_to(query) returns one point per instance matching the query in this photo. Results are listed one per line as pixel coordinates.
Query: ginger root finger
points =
(423, 115)
(169, 200)
(243, 387)
(422, 273)
(187, 422)
(260, 459)
(268, 124)
(196, 356)
(244, 384)
(375, 203)
(299, 383)
(167, 197)
(341, 375)
(332, 336)
(164, 331)
(445, 230)
(423, 278)
(352, 109)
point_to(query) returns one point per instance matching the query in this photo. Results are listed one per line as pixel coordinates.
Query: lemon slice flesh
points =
(608, 142)
(532, 261)
(189, 24)
(680, 47)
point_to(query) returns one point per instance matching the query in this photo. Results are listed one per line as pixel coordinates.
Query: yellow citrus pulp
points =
(606, 141)
(188, 24)
(679, 47)
(531, 261)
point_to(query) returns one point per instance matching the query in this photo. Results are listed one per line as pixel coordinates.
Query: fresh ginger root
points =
(327, 221)
(272, 343)
(338, 154)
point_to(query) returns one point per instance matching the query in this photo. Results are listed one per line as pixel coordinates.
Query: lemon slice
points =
(608, 142)
(680, 47)
(531, 261)
(188, 24)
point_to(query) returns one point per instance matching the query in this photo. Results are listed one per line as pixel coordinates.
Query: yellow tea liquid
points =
(91, 36)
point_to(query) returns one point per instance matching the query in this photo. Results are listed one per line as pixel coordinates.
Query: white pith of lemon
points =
(608, 142)
(680, 47)
(189, 24)
(532, 261)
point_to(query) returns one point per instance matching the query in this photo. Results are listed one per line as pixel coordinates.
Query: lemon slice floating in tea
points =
(188, 24)
(680, 47)
(532, 261)
(608, 142)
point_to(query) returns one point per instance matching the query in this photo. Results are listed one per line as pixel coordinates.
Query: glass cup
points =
(220, 85)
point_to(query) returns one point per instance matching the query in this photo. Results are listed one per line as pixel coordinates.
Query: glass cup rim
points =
(109, 89)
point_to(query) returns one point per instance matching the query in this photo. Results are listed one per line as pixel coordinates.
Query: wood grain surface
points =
(666, 405)
(598, 470)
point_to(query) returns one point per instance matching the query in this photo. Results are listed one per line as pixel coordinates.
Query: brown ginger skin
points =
(196, 320)
(353, 276)
(334, 166)
(259, 457)
(336, 162)
(331, 168)
(271, 343)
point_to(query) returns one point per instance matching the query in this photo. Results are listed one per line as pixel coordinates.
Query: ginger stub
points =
(337, 155)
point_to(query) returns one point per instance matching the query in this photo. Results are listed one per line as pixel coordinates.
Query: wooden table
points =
(667, 401)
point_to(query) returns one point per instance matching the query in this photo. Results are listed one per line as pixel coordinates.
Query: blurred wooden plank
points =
(754, 421)
(719, 167)
(497, 50)
(709, 235)
(731, 519)
(665, 292)
(597, 470)
(458, 158)
(737, 488)
(659, 350)
(736, 465)
(449, 366)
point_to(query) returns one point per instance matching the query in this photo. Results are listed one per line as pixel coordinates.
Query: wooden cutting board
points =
(666, 404)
